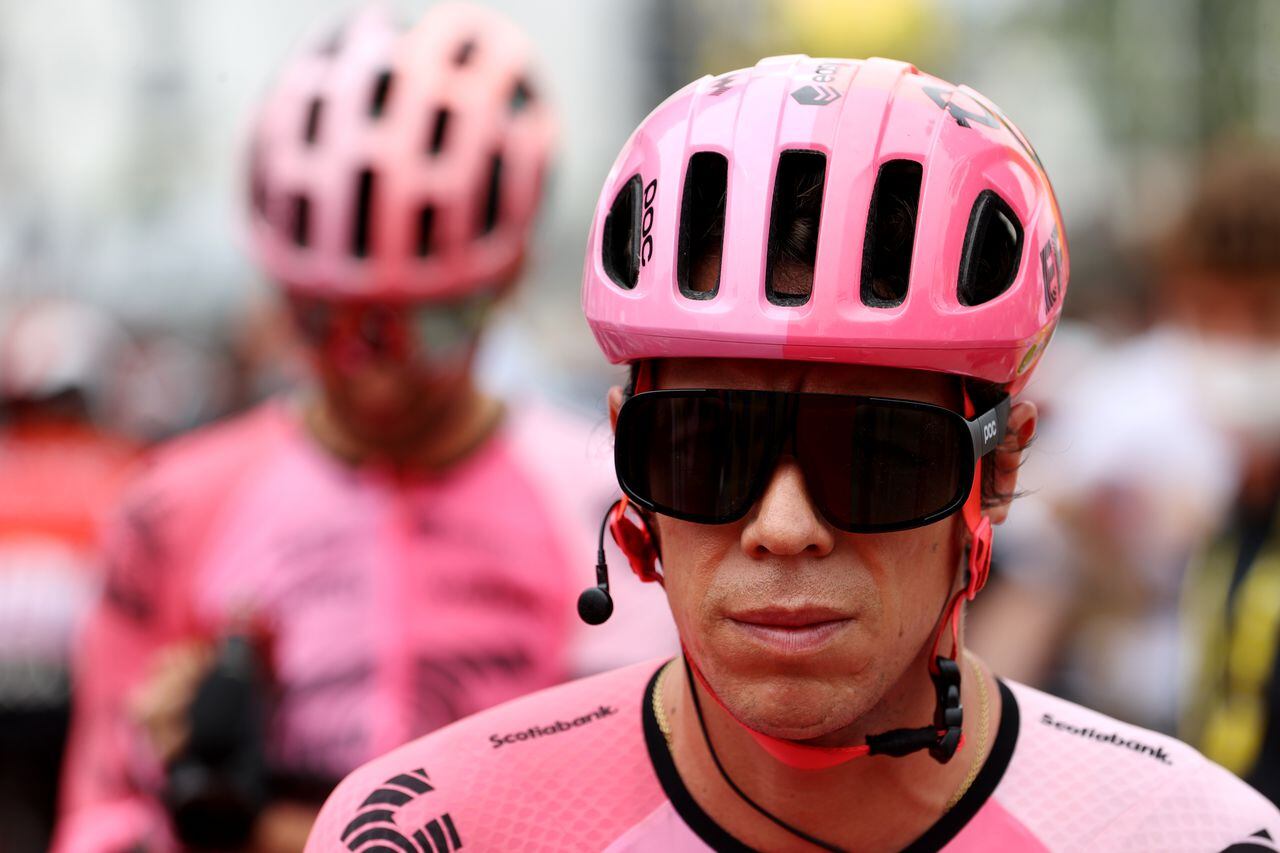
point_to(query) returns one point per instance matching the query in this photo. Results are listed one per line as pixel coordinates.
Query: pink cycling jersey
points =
(584, 766)
(395, 603)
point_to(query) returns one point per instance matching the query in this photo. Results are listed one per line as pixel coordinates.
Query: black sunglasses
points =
(871, 464)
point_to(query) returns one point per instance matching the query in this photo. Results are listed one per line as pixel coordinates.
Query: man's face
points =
(800, 628)
(388, 370)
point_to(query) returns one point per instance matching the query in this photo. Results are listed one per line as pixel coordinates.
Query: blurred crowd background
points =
(122, 193)
(122, 159)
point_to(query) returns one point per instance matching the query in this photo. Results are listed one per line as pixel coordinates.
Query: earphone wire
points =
(742, 795)
(600, 560)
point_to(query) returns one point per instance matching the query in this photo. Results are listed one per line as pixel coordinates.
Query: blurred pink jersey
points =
(585, 767)
(395, 603)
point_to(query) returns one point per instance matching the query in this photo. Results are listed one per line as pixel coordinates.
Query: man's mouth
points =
(789, 630)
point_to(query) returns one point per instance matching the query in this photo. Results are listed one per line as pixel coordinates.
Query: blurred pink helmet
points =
(51, 345)
(388, 165)
(932, 238)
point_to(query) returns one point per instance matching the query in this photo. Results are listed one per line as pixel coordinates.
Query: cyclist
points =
(62, 471)
(828, 276)
(400, 543)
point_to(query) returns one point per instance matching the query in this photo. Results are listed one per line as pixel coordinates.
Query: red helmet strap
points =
(636, 541)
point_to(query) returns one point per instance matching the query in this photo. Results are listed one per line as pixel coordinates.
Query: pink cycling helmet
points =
(401, 166)
(935, 240)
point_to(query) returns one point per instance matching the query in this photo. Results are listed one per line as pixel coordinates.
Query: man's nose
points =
(784, 522)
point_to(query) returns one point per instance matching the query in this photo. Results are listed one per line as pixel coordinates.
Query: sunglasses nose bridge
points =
(785, 521)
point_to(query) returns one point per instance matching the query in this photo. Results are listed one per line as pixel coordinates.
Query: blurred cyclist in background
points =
(390, 551)
(1222, 267)
(61, 473)
(828, 277)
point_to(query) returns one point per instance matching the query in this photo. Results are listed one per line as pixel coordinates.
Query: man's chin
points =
(385, 427)
(796, 709)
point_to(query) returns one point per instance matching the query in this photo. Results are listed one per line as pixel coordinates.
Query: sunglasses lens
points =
(314, 321)
(875, 465)
(869, 465)
(696, 456)
(446, 331)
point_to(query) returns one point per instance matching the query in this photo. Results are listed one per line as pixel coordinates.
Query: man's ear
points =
(1008, 457)
(615, 405)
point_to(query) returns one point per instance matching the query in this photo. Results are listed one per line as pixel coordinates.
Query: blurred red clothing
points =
(58, 480)
(61, 480)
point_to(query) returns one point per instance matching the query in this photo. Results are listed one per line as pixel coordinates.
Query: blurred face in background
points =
(1234, 326)
(389, 371)
(1242, 309)
(1221, 285)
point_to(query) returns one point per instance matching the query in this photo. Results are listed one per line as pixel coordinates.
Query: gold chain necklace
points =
(984, 722)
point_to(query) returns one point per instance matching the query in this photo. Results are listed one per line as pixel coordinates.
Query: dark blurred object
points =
(32, 742)
(217, 786)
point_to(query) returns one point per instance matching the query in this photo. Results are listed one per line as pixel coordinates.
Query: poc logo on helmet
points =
(988, 431)
(646, 222)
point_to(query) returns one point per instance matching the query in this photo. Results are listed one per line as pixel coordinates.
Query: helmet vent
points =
(794, 220)
(364, 213)
(300, 220)
(257, 182)
(891, 234)
(620, 239)
(426, 223)
(702, 210)
(465, 52)
(521, 95)
(493, 195)
(315, 112)
(333, 42)
(381, 91)
(992, 250)
(439, 127)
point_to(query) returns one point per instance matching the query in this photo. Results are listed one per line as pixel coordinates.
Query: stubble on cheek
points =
(691, 558)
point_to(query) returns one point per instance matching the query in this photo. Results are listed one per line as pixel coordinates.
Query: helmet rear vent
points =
(300, 220)
(493, 195)
(794, 220)
(364, 213)
(620, 237)
(891, 234)
(992, 250)
(426, 224)
(521, 95)
(702, 210)
(465, 51)
(315, 112)
(332, 43)
(381, 91)
(439, 127)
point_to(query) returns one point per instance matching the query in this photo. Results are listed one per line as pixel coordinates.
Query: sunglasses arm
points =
(988, 429)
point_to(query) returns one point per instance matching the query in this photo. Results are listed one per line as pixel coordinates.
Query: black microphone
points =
(595, 605)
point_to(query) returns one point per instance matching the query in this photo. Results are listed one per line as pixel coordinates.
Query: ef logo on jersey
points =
(375, 823)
